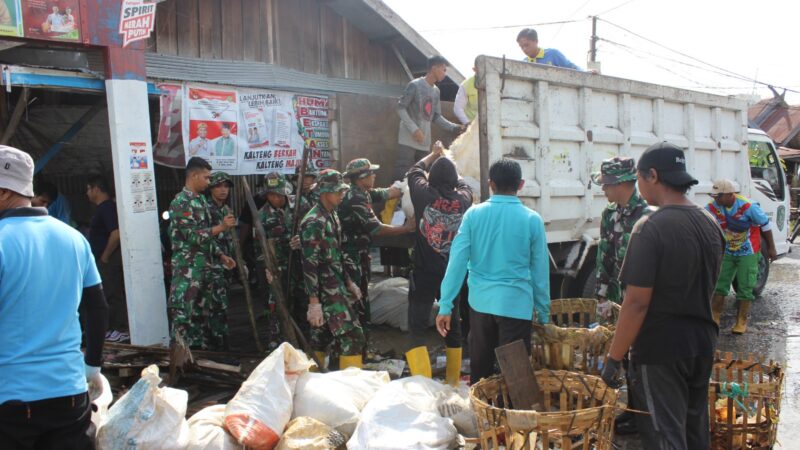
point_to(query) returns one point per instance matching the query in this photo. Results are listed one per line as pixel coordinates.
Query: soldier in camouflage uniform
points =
(218, 192)
(195, 252)
(328, 275)
(360, 224)
(309, 195)
(276, 218)
(617, 177)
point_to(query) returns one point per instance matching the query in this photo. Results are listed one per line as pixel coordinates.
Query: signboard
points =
(137, 19)
(58, 20)
(10, 18)
(244, 132)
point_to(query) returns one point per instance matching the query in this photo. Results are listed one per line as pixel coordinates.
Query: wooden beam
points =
(16, 116)
(402, 61)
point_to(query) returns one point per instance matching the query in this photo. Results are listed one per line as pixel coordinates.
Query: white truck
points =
(559, 124)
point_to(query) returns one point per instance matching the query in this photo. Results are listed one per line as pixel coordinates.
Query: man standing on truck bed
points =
(736, 216)
(617, 177)
(669, 272)
(528, 41)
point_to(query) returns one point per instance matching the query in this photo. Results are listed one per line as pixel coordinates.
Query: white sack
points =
(206, 431)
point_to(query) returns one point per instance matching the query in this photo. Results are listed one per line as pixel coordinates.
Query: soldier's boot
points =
(453, 369)
(717, 305)
(741, 318)
(350, 361)
(321, 358)
(419, 363)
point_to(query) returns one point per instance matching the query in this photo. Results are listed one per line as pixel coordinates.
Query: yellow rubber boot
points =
(717, 305)
(321, 358)
(388, 210)
(419, 363)
(453, 371)
(350, 361)
(741, 318)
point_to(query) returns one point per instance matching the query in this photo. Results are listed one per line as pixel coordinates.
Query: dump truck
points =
(560, 124)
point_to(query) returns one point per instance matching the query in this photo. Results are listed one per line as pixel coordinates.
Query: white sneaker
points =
(113, 336)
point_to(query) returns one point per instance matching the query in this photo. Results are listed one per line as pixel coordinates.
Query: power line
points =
(614, 8)
(502, 27)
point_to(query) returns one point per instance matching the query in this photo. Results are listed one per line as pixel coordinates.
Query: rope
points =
(736, 392)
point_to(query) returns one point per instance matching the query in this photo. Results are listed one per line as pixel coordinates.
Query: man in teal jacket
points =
(503, 245)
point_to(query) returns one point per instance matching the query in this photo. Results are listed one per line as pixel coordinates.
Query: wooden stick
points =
(297, 198)
(248, 297)
(16, 116)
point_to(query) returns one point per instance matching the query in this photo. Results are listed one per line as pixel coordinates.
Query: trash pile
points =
(285, 405)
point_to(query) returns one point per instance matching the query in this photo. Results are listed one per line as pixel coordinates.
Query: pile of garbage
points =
(283, 405)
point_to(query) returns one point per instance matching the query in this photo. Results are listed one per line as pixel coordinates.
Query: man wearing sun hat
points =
(360, 224)
(737, 216)
(43, 393)
(328, 274)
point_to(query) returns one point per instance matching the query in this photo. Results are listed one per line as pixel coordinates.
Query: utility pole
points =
(593, 41)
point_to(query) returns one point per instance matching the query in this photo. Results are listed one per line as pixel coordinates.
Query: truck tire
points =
(763, 274)
(585, 282)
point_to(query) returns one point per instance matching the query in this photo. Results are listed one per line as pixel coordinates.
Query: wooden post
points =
(248, 297)
(16, 116)
(296, 212)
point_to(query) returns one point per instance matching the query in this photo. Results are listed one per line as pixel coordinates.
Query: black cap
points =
(669, 162)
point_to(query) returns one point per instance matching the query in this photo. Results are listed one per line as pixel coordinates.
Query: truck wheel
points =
(763, 274)
(586, 281)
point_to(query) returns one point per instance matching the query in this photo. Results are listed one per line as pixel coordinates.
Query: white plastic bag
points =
(337, 398)
(101, 400)
(146, 417)
(258, 413)
(388, 304)
(305, 433)
(207, 433)
(454, 403)
(404, 415)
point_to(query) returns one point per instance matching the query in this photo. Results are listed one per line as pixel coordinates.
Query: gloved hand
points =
(612, 372)
(603, 309)
(355, 290)
(94, 380)
(314, 315)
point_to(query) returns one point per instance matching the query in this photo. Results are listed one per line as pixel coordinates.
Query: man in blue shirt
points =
(47, 272)
(503, 246)
(528, 41)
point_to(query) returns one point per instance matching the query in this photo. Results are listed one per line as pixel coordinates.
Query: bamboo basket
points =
(748, 420)
(578, 413)
(561, 345)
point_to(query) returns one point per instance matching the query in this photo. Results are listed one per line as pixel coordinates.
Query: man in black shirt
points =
(670, 270)
(104, 240)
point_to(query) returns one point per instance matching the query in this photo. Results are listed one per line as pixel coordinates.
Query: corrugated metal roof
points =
(258, 75)
(791, 154)
(781, 124)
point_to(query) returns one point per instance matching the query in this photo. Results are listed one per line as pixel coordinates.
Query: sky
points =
(743, 40)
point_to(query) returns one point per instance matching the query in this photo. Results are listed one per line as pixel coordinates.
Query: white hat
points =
(16, 171)
(723, 186)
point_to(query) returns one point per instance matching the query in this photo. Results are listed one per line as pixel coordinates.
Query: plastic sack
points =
(337, 398)
(388, 304)
(454, 404)
(146, 417)
(305, 433)
(258, 413)
(404, 415)
(101, 399)
(206, 431)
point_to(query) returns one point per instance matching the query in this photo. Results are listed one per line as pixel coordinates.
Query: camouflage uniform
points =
(220, 277)
(307, 199)
(195, 252)
(326, 272)
(359, 224)
(615, 227)
(277, 225)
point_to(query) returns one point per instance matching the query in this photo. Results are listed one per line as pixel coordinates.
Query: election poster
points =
(137, 20)
(58, 20)
(168, 149)
(211, 127)
(10, 18)
(313, 125)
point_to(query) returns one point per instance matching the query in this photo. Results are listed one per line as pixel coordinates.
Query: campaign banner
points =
(211, 127)
(314, 126)
(57, 20)
(168, 149)
(11, 18)
(137, 20)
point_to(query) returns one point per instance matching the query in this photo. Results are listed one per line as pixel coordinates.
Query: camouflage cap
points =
(360, 168)
(619, 169)
(276, 183)
(311, 171)
(218, 178)
(331, 181)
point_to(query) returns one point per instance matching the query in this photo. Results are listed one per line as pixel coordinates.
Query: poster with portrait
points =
(10, 18)
(210, 127)
(57, 20)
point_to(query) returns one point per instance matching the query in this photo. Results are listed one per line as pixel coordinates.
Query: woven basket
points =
(561, 345)
(578, 413)
(744, 415)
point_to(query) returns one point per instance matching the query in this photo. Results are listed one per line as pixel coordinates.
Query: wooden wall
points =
(303, 35)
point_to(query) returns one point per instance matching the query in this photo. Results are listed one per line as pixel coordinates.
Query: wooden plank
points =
(210, 14)
(265, 19)
(523, 390)
(310, 11)
(332, 43)
(232, 33)
(252, 29)
(166, 28)
(188, 25)
(290, 36)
